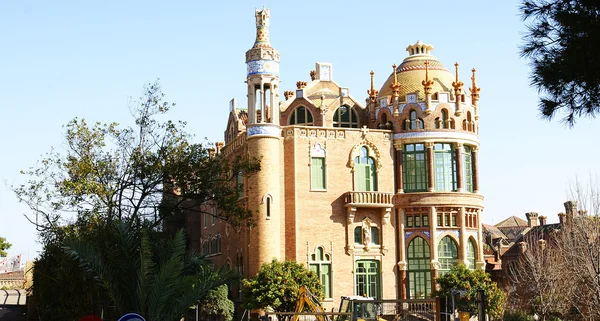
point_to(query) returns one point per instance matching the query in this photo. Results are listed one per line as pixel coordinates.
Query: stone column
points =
(402, 264)
(475, 164)
(462, 248)
(435, 264)
(459, 166)
(430, 167)
(399, 169)
(351, 211)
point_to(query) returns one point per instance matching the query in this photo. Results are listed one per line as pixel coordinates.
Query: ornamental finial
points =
(372, 92)
(395, 86)
(457, 84)
(262, 28)
(474, 89)
(427, 83)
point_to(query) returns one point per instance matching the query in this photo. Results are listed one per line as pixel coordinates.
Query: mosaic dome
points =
(411, 73)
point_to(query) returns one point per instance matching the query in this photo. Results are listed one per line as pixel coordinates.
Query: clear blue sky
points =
(65, 59)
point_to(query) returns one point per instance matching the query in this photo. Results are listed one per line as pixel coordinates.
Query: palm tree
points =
(144, 273)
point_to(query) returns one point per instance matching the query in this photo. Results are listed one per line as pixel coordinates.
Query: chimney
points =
(561, 218)
(570, 210)
(531, 219)
(542, 220)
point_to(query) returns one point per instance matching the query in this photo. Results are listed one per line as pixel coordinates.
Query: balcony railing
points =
(369, 199)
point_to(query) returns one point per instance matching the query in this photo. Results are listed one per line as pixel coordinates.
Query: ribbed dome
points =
(411, 73)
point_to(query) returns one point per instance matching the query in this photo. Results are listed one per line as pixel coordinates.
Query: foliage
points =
(137, 174)
(461, 278)
(4, 245)
(561, 41)
(517, 315)
(144, 273)
(217, 303)
(276, 286)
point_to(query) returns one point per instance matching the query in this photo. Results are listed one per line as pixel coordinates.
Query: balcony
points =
(369, 199)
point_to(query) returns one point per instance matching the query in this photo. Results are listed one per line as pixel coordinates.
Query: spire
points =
(262, 29)
(474, 89)
(457, 84)
(395, 86)
(427, 83)
(372, 92)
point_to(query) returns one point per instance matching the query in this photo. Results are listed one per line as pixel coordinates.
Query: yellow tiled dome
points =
(411, 73)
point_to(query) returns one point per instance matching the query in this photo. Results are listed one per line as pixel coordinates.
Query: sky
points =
(66, 59)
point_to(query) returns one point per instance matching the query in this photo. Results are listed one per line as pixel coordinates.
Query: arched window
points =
(213, 246)
(345, 117)
(301, 116)
(205, 247)
(413, 122)
(383, 121)
(444, 119)
(469, 122)
(365, 174)
(219, 244)
(320, 263)
(447, 254)
(419, 269)
(359, 235)
(471, 254)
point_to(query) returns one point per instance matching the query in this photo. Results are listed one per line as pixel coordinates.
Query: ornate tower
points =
(435, 132)
(264, 142)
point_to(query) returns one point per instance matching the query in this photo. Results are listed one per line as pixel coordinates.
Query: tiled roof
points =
(12, 276)
(494, 231)
(512, 221)
(513, 232)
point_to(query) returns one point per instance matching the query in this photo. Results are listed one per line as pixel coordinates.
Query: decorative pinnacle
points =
(372, 92)
(288, 93)
(427, 83)
(474, 89)
(301, 84)
(395, 86)
(313, 75)
(262, 29)
(457, 84)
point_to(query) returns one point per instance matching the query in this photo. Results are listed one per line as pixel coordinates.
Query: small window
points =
(417, 221)
(439, 220)
(268, 207)
(409, 221)
(358, 235)
(317, 171)
(374, 235)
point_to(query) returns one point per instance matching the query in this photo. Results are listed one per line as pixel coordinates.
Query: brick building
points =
(378, 198)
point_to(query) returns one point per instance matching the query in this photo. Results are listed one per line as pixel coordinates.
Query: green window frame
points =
(301, 116)
(471, 256)
(365, 173)
(368, 277)
(468, 168)
(409, 221)
(425, 221)
(345, 117)
(447, 254)
(419, 269)
(240, 184)
(444, 162)
(414, 168)
(320, 263)
(317, 173)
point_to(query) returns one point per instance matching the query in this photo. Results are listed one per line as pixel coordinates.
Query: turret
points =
(264, 143)
(372, 100)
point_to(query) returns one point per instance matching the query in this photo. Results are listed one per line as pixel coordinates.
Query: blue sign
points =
(132, 317)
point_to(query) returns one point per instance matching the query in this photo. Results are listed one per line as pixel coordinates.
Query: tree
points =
(146, 274)
(562, 40)
(463, 279)
(276, 286)
(4, 245)
(538, 278)
(217, 304)
(140, 174)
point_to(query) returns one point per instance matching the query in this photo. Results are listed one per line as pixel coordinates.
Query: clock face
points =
(325, 72)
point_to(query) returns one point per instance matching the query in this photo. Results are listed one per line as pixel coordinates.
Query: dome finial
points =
(427, 84)
(457, 84)
(395, 86)
(474, 89)
(372, 92)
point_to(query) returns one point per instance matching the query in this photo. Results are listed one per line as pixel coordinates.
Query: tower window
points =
(301, 116)
(413, 122)
(468, 168)
(445, 167)
(317, 173)
(419, 269)
(415, 168)
(447, 254)
(345, 117)
(268, 201)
